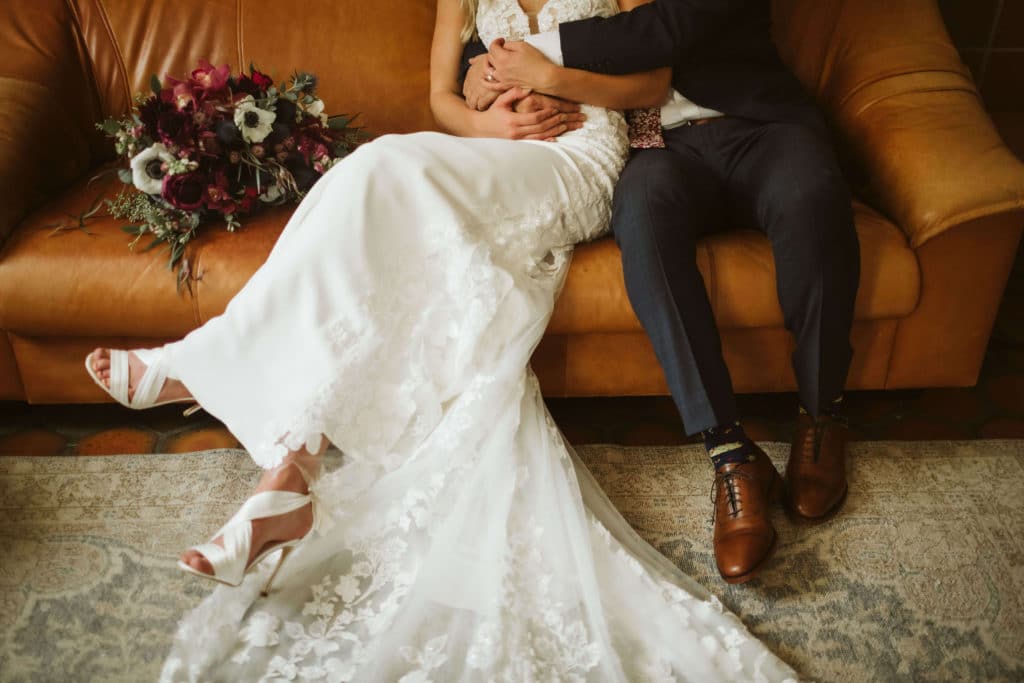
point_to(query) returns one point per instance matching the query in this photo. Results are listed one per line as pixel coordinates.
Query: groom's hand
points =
(521, 64)
(481, 88)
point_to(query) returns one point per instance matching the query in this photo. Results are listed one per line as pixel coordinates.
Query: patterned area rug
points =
(920, 579)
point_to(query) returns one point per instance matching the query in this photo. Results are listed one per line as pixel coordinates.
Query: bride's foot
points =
(172, 389)
(272, 530)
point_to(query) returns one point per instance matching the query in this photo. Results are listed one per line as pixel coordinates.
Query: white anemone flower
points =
(146, 172)
(316, 108)
(255, 123)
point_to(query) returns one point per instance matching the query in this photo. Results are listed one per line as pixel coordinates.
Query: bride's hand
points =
(479, 91)
(536, 102)
(502, 121)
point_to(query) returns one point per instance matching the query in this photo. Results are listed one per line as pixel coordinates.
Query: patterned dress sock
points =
(727, 444)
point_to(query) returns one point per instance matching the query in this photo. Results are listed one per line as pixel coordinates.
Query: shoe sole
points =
(803, 520)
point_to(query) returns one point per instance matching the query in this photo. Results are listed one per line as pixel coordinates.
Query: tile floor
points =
(992, 409)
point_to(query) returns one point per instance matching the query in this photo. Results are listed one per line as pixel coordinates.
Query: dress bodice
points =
(601, 146)
(506, 18)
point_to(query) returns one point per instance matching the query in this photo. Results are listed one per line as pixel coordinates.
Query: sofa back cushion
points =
(371, 56)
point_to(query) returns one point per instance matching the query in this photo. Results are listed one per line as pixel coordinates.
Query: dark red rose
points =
(246, 85)
(262, 80)
(186, 191)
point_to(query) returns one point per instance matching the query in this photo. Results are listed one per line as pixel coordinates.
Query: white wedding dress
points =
(464, 540)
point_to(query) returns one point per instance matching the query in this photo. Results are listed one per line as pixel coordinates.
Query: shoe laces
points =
(816, 434)
(728, 481)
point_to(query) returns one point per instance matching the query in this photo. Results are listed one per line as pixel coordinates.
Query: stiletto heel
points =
(284, 555)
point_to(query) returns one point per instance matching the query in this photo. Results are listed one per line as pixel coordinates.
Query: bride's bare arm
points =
(451, 112)
(522, 65)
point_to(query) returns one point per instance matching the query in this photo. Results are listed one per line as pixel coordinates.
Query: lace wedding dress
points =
(462, 539)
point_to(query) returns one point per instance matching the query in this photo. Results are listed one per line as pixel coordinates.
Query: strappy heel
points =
(149, 385)
(229, 561)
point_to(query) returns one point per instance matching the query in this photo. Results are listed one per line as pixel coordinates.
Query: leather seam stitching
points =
(900, 74)
(828, 62)
(239, 34)
(915, 91)
(117, 50)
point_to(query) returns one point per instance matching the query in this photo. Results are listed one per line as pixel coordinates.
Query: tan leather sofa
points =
(942, 209)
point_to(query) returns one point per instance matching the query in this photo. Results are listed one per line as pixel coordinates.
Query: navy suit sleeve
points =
(648, 37)
(472, 49)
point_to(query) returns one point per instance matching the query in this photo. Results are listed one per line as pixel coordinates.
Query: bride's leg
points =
(171, 390)
(294, 473)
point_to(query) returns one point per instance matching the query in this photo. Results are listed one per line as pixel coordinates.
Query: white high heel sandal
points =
(149, 385)
(229, 561)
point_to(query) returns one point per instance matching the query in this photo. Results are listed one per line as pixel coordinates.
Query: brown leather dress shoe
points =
(816, 471)
(744, 538)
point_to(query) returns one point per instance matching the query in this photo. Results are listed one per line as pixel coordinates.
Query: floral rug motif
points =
(920, 578)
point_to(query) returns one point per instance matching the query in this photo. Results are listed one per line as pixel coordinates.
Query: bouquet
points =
(220, 146)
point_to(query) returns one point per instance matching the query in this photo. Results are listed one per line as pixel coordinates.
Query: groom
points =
(744, 146)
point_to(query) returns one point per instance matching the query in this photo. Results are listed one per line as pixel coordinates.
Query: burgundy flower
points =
(182, 95)
(249, 200)
(209, 78)
(150, 112)
(175, 127)
(246, 85)
(186, 191)
(218, 197)
(262, 80)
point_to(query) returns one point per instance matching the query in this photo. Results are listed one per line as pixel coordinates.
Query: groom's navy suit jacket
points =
(721, 53)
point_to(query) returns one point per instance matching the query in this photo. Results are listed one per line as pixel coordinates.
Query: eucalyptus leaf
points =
(154, 84)
(125, 175)
(111, 126)
(152, 245)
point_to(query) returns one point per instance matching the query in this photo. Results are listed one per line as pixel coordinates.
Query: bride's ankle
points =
(297, 472)
(308, 460)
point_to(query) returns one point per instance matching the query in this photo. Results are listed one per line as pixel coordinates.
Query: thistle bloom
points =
(255, 123)
(147, 168)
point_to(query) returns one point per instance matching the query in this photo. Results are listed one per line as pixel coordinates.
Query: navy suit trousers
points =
(777, 177)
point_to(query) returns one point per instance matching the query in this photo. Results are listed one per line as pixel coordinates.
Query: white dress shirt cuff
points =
(550, 45)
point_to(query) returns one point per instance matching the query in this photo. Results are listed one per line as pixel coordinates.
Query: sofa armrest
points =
(909, 112)
(935, 160)
(47, 138)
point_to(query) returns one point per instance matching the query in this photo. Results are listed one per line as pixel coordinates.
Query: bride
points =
(460, 539)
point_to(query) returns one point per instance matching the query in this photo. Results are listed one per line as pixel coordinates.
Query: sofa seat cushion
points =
(739, 274)
(88, 283)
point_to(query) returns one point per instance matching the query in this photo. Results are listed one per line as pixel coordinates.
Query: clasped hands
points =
(508, 85)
